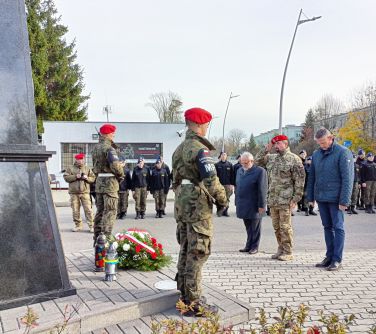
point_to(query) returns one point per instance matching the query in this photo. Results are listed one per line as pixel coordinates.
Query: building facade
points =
(291, 131)
(135, 139)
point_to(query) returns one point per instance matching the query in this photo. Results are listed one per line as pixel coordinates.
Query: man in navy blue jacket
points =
(330, 183)
(251, 190)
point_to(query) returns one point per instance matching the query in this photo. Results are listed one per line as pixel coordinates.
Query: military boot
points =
(157, 214)
(225, 213)
(201, 309)
(163, 212)
(352, 210)
(306, 212)
(371, 209)
(120, 215)
(277, 255)
(137, 215)
(124, 214)
(285, 257)
(142, 215)
(368, 209)
(160, 213)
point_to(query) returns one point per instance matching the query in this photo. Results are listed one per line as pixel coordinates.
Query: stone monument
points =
(32, 264)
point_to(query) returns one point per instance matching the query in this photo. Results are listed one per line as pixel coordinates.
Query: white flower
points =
(115, 244)
(126, 247)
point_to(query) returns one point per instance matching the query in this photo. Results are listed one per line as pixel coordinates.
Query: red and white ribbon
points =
(131, 238)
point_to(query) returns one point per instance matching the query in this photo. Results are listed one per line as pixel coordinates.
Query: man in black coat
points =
(225, 173)
(251, 190)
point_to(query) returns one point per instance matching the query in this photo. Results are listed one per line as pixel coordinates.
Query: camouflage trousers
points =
(229, 191)
(355, 193)
(76, 201)
(281, 220)
(106, 213)
(123, 201)
(195, 249)
(160, 199)
(369, 192)
(139, 196)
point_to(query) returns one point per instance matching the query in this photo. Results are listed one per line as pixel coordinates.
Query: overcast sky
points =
(204, 49)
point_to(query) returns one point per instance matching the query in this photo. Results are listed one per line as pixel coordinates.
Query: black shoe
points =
(225, 213)
(137, 215)
(157, 214)
(334, 266)
(307, 213)
(368, 209)
(163, 212)
(142, 215)
(124, 215)
(312, 213)
(352, 210)
(160, 214)
(121, 215)
(324, 263)
(253, 251)
(244, 250)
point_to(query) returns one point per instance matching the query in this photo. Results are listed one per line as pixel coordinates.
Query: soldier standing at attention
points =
(79, 177)
(140, 186)
(225, 172)
(196, 187)
(124, 186)
(109, 171)
(167, 168)
(159, 186)
(286, 184)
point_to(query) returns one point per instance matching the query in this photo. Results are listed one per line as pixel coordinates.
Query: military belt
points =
(185, 181)
(106, 175)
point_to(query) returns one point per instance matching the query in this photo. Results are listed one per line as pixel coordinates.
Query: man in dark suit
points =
(250, 200)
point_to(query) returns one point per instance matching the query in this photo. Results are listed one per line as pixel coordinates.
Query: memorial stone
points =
(32, 264)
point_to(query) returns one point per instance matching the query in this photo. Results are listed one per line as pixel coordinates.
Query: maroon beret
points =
(279, 138)
(105, 129)
(198, 115)
(79, 156)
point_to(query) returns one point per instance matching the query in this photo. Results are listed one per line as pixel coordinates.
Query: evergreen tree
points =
(252, 145)
(307, 131)
(58, 80)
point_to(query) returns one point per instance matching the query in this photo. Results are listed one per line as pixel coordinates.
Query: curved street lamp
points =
(287, 64)
(224, 120)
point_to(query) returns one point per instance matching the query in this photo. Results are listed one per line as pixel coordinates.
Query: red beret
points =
(105, 129)
(198, 115)
(279, 138)
(79, 156)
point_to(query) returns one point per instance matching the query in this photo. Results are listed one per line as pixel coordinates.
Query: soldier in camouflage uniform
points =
(159, 186)
(140, 187)
(124, 186)
(109, 171)
(79, 177)
(286, 184)
(197, 188)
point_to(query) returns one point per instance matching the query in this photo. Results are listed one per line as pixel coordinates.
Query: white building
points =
(149, 140)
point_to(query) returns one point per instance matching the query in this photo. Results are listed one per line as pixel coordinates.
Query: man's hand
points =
(342, 207)
(261, 210)
(292, 205)
(78, 176)
(268, 147)
(84, 177)
(364, 185)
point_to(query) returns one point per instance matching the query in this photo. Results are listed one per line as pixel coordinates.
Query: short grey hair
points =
(247, 155)
(322, 132)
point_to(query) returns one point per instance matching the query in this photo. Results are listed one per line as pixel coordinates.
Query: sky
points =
(205, 49)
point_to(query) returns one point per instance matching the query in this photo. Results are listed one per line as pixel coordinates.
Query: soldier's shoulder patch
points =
(112, 155)
(205, 164)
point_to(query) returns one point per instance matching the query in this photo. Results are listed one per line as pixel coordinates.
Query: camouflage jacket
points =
(79, 186)
(194, 202)
(106, 160)
(286, 176)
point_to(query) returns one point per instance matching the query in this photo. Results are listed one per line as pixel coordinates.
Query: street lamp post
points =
(224, 120)
(287, 64)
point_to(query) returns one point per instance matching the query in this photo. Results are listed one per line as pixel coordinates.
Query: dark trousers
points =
(253, 227)
(333, 221)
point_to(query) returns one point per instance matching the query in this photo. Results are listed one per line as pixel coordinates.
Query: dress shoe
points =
(324, 263)
(334, 266)
(253, 251)
(244, 250)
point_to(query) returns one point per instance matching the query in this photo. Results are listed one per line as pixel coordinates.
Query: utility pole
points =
(107, 110)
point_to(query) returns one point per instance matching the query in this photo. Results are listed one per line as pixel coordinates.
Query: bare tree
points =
(328, 106)
(234, 140)
(167, 106)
